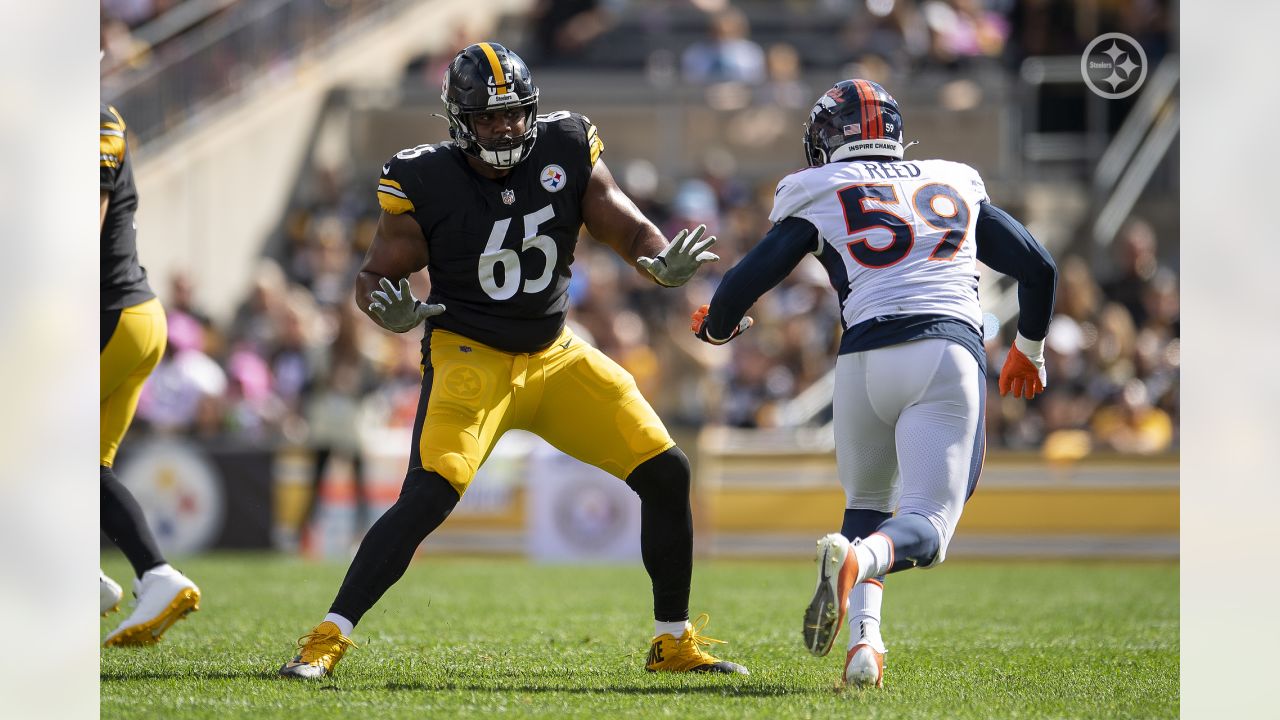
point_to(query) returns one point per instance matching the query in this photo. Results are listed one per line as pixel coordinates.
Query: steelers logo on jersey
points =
(553, 178)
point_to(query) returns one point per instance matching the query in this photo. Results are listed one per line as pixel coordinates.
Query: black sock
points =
(861, 523)
(124, 524)
(425, 501)
(666, 531)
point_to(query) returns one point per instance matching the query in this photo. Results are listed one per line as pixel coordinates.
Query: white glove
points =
(397, 309)
(681, 258)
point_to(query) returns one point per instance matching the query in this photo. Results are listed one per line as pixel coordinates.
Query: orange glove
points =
(700, 323)
(1023, 375)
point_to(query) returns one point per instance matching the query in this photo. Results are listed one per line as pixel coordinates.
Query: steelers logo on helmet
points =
(553, 178)
(483, 78)
(855, 118)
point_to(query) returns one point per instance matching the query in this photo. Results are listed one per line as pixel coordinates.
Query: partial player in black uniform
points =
(131, 345)
(494, 217)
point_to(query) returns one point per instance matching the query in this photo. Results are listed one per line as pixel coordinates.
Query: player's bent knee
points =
(939, 556)
(453, 467)
(665, 475)
(917, 540)
(429, 487)
(933, 542)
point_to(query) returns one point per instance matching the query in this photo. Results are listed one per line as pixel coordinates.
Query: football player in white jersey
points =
(900, 240)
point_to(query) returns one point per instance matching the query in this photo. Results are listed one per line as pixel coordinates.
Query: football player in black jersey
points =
(131, 345)
(494, 217)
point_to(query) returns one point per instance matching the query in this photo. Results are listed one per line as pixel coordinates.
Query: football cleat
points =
(163, 597)
(685, 654)
(318, 652)
(109, 594)
(837, 572)
(864, 666)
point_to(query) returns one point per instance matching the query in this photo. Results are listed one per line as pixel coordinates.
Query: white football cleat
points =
(164, 596)
(837, 572)
(109, 593)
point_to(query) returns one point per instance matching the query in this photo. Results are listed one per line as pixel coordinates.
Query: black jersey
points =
(123, 282)
(500, 250)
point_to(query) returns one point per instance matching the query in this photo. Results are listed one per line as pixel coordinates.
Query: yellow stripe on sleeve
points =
(389, 181)
(393, 204)
(111, 149)
(597, 147)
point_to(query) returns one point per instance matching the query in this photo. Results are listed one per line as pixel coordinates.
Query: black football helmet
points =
(856, 118)
(485, 77)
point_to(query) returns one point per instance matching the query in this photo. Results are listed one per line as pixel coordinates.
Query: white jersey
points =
(896, 238)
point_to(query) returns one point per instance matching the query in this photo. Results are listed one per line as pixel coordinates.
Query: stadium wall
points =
(530, 500)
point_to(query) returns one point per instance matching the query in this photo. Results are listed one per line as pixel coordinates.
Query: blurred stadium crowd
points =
(299, 363)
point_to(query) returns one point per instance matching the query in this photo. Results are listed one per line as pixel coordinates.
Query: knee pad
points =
(666, 475)
(455, 468)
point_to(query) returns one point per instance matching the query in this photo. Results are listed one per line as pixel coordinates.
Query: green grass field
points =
(480, 637)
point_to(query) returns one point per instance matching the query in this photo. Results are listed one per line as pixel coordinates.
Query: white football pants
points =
(909, 430)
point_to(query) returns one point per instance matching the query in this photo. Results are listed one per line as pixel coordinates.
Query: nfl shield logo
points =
(508, 196)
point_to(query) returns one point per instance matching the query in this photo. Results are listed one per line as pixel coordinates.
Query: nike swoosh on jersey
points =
(386, 168)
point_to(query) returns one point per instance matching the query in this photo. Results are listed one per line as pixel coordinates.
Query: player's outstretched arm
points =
(382, 286)
(613, 219)
(766, 265)
(1006, 246)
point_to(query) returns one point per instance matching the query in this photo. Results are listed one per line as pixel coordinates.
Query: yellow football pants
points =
(571, 395)
(134, 350)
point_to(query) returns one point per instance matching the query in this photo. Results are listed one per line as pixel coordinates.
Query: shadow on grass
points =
(179, 673)
(717, 689)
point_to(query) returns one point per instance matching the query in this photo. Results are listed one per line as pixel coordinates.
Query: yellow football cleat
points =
(685, 654)
(318, 652)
